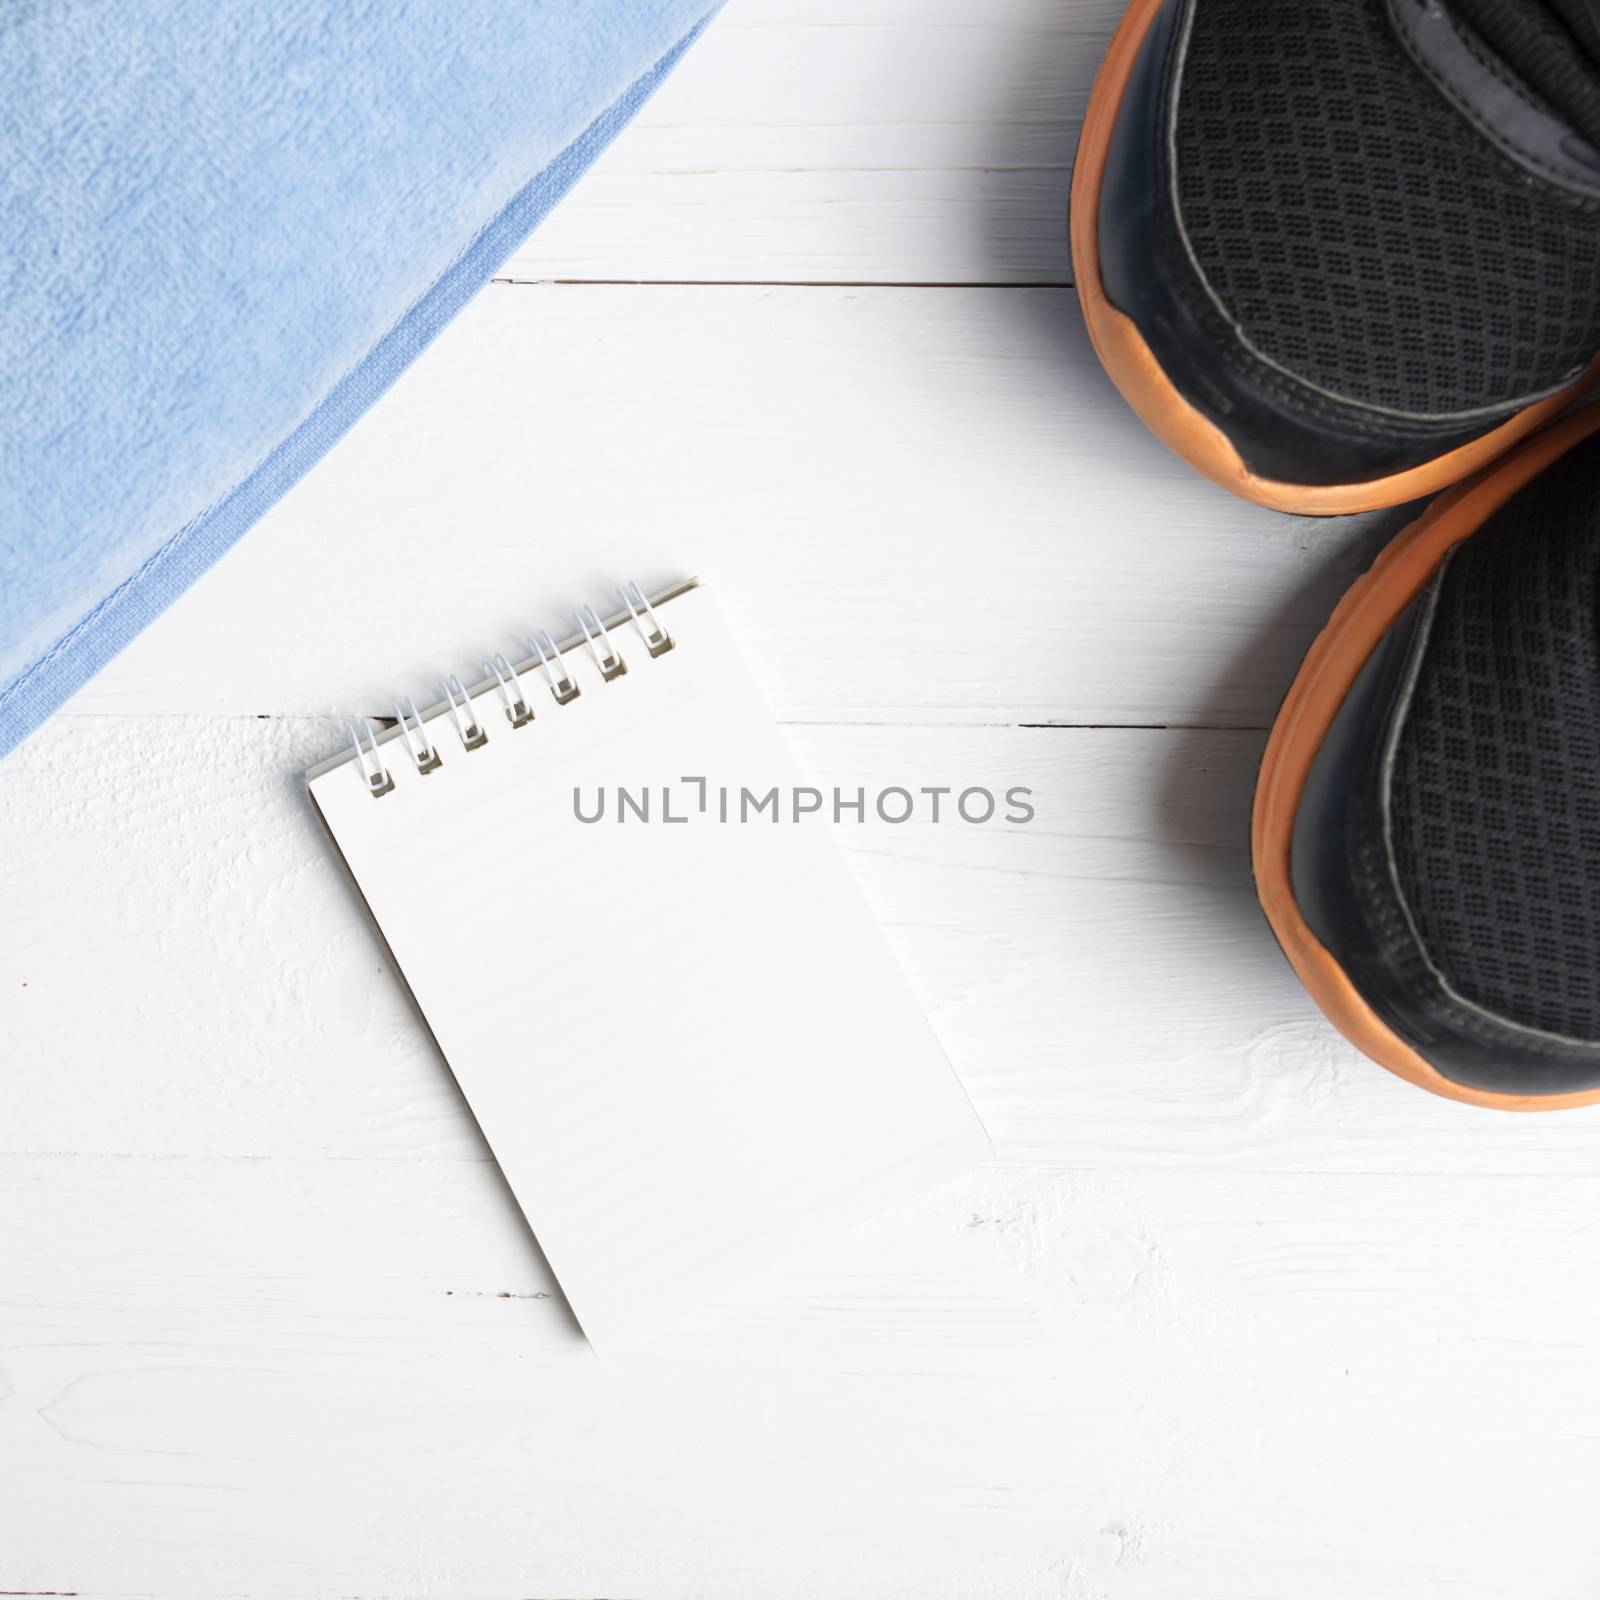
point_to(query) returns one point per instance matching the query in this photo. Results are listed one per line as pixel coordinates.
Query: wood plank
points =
(1234, 1316)
(302, 1378)
(1101, 977)
(916, 505)
(897, 141)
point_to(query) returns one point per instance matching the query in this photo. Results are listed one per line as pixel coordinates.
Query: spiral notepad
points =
(681, 1032)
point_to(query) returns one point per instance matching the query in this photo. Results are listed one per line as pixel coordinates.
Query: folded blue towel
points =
(227, 229)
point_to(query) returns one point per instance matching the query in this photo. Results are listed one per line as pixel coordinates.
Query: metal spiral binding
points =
(472, 736)
(510, 686)
(424, 752)
(611, 664)
(505, 678)
(656, 638)
(377, 780)
(563, 688)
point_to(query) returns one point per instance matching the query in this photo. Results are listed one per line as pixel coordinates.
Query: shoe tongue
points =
(1552, 45)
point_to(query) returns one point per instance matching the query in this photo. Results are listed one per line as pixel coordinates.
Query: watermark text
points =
(696, 797)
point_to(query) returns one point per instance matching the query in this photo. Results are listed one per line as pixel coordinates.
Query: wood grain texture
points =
(896, 141)
(1101, 977)
(917, 506)
(227, 1378)
(1233, 1316)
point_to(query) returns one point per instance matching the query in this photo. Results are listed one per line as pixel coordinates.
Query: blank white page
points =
(687, 1044)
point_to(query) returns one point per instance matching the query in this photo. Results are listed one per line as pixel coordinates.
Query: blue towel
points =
(226, 230)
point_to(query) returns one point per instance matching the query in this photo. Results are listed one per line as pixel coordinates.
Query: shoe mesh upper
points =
(1495, 790)
(1359, 231)
(1551, 45)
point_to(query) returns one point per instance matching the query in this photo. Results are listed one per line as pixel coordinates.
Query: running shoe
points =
(1426, 837)
(1339, 254)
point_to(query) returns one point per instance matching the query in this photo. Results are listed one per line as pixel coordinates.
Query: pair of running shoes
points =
(1345, 254)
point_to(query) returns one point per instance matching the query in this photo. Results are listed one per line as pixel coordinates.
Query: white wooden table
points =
(1235, 1315)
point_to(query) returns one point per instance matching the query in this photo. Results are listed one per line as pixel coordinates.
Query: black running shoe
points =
(1340, 253)
(1426, 837)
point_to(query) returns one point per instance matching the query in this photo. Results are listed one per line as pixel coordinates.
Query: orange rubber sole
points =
(1146, 387)
(1360, 620)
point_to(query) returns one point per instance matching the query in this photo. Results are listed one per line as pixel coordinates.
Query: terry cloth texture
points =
(228, 229)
